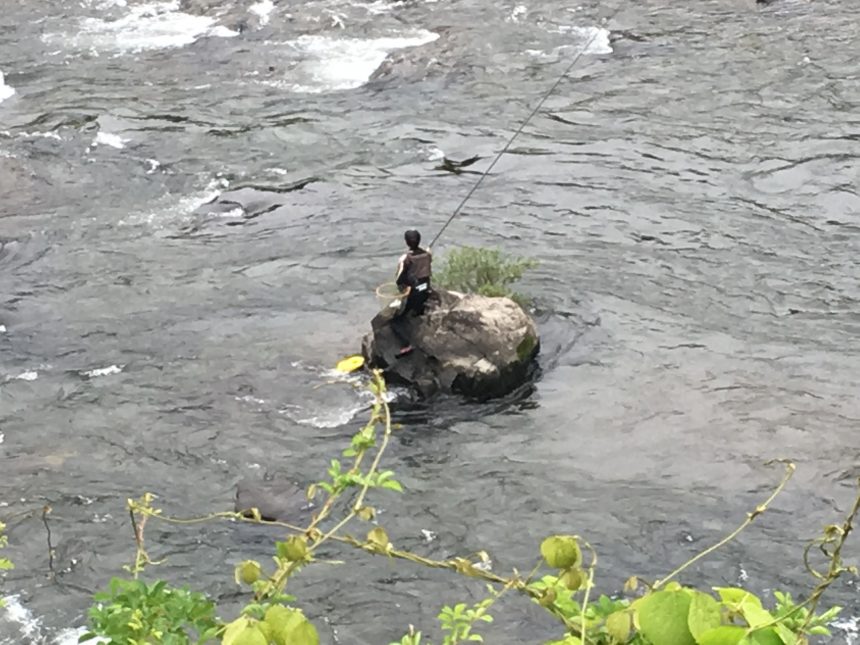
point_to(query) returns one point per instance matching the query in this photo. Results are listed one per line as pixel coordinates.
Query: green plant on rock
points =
(487, 272)
(561, 581)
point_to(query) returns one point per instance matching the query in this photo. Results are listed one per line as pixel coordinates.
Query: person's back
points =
(417, 267)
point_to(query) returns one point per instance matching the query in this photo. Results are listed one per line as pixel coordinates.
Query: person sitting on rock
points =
(413, 277)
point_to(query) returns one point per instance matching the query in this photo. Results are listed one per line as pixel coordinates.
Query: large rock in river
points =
(465, 344)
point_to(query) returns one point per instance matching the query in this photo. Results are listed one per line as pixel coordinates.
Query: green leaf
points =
(733, 595)
(788, 637)
(704, 614)
(663, 618)
(618, 625)
(234, 629)
(724, 635)
(290, 627)
(379, 537)
(392, 484)
(767, 636)
(746, 604)
(754, 613)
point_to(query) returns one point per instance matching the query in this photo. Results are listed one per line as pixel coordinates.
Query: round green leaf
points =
(243, 632)
(767, 636)
(663, 618)
(618, 625)
(754, 613)
(290, 627)
(725, 635)
(234, 629)
(735, 595)
(704, 614)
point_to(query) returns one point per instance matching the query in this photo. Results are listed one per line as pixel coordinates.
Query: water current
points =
(198, 198)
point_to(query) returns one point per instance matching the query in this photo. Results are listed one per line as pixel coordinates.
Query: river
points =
(197, 201)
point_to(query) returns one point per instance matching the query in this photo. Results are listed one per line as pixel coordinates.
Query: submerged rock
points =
(277, 501)
(465, 344)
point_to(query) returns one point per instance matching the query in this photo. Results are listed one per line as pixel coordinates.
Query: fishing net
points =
(390, 295)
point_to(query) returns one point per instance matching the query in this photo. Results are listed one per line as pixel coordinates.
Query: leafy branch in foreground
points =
(561, 581)
(5, 563)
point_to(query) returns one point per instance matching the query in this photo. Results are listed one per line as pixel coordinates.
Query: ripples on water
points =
(198, 200)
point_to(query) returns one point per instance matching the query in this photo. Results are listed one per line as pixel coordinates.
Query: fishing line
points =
(522, 126)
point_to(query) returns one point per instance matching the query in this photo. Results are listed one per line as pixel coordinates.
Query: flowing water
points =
(198, 200)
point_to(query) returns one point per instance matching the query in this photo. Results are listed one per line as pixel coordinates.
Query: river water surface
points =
(197, 201)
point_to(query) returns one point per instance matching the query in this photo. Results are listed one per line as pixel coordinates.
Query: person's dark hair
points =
(413, 239)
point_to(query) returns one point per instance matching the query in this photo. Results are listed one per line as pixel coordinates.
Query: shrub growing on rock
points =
(487, 272)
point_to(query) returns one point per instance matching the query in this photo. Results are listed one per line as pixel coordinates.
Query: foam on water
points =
(332, 419)
(103, 371)
(41, 135)
(179, 210)
(5, 90)
(154, 25)
(435, 154)
(263, 10)
(336, 417)
(517, 13)
(594, 39)
(30, 628)
(850, 627)
(346, 63)
(108, 139)
(378, 7)
(16, 613)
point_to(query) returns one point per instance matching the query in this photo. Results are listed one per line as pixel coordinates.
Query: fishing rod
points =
(520, 129)
(352, 363)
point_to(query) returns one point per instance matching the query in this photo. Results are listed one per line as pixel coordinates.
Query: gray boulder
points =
(277, 500)
(466, 344)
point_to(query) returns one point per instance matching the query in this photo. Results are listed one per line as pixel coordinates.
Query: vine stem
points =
(588, 586)
(751, 517)
(460, 565)
(386, 436)
(835, 569)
